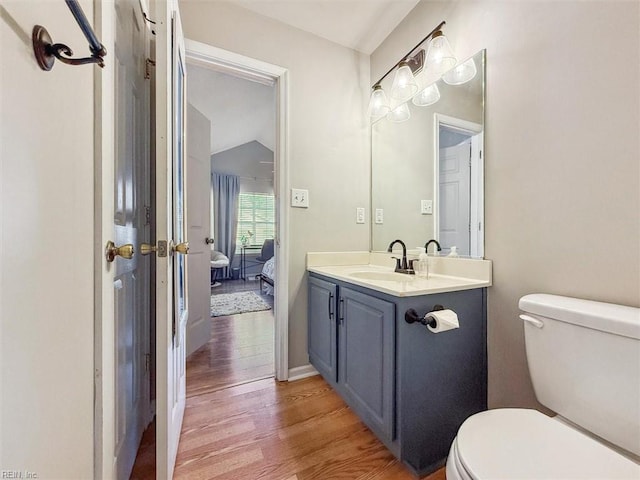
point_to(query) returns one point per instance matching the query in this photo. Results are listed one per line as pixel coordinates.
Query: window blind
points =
(256, 213)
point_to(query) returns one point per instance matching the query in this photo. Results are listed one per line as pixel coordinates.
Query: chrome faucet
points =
(403, 267)
(426, 245)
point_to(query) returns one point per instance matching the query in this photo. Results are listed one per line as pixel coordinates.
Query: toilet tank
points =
(584, 360)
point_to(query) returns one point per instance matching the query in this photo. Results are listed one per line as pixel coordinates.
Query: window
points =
(256, 214)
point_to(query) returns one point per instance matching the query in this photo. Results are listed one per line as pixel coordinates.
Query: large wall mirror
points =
(427, 172)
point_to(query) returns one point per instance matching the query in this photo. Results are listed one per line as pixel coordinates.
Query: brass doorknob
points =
(124, 251)
(146, 249)
(182, 248)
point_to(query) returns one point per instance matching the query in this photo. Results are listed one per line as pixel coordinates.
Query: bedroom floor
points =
(249, 285)
(240, 350)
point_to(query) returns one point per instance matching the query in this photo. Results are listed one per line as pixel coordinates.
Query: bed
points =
(267, 276)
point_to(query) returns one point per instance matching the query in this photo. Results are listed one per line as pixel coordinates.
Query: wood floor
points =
(282, 431)
(265, 429)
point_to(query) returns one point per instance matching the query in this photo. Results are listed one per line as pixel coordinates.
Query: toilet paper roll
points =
(445, 320)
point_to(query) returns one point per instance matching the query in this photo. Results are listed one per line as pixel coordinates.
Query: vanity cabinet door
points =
(322, 338)
(366, 358)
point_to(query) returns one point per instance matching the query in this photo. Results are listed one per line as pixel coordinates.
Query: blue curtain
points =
(226, 192)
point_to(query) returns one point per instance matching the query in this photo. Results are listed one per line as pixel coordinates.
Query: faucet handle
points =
(398, 264)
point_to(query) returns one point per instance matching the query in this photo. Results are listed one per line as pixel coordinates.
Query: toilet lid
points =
(525, 444)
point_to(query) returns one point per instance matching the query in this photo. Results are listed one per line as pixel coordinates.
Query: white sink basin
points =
(382, 276)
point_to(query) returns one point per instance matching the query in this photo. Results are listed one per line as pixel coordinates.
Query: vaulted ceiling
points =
(240, 111)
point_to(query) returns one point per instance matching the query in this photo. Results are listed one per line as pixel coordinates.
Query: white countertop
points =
(449, 274)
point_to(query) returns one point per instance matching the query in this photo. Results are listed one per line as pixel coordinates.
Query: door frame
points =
(198, 53)
(104, 313)
(475, 131)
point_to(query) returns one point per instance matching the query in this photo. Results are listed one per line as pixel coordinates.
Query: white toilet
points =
(584, 359)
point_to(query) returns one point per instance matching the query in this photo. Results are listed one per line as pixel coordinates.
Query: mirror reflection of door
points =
(459, 197)
(455, 178)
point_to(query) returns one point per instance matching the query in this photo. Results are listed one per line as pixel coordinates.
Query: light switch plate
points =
(359, 215)
(379, 216)
(426, 207)
(299, 198)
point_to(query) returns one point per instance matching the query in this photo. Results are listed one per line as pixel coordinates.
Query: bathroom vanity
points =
(411, 387)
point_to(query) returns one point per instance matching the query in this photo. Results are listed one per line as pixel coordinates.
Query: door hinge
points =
(147, 362)
(147, 68)
(147, 215)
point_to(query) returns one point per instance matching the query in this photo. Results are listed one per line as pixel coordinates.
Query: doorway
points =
(231, 128)
(262, 192)
(458, 186)
(223, 61)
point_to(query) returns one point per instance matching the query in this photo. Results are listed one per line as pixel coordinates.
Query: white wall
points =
(562, 155)
(46, 248)
(329, 146)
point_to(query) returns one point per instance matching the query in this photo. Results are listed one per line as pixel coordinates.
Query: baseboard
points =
(298, 373)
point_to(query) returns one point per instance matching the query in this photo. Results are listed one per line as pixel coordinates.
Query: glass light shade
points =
(428, 96)
(461, 74)
(404, 83)
(440, 56)
(378, 103)
(400, 114)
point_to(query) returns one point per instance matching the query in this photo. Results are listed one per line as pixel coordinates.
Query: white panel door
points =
(454, 197)
(198, 228)
(131, 282)
(171, 276)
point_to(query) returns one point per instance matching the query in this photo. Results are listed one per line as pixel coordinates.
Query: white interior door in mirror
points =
(454, 197)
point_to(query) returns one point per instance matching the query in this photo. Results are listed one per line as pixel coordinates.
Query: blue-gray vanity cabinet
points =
(366, 358)
(413, 388)
(322, 338)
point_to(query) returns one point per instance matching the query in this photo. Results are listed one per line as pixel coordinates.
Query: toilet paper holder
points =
(411, 316)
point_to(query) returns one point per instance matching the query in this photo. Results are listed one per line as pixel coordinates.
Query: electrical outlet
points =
(299, 198)
(359, 215)
(426, 207)
(379, 216)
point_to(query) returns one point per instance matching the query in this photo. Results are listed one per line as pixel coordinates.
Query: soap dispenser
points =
(421, 266)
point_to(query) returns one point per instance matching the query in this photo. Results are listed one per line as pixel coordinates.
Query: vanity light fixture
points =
(439, 58)
(463, 73)
(400, 114)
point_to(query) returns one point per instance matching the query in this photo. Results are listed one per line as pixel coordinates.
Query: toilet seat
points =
(525, 444)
